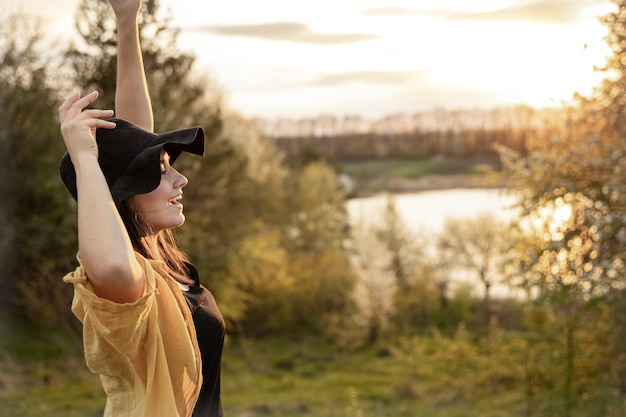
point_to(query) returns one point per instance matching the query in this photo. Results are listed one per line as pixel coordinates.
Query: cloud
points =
(368, 77)
(544, 11)
(390, 11)
(287, 32)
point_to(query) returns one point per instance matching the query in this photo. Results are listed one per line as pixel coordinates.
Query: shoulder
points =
(154, 271)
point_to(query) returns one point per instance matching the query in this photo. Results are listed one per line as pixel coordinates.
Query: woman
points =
(150, 330)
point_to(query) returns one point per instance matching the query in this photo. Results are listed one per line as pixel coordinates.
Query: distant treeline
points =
(439, 132)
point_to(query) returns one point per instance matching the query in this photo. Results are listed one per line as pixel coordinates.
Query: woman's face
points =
(160, 208)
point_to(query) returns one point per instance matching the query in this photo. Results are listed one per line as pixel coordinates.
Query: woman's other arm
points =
(132, 98)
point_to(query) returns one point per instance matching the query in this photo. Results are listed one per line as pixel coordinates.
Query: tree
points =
(376, 285)
(578, 168)
(36, 245)
(399, 242)
(476, 245)
(413, 279)
(316, 234)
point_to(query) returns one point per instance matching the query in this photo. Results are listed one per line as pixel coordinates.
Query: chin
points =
(180, 222)
(171, 224)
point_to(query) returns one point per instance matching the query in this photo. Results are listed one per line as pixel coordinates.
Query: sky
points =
(304, 58)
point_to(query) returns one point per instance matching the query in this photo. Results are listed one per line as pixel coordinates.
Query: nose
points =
(179, 179)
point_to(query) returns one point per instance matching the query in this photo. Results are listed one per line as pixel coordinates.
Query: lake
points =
(427, 211)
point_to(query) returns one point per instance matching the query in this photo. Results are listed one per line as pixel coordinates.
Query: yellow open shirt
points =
(145, 352)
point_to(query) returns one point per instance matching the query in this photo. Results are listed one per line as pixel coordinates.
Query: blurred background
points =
(407, 208)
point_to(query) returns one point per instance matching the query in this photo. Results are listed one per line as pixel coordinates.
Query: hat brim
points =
(143, 173)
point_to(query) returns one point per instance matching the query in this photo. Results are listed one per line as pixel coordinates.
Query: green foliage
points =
(417, 305)
(318, 217)
(36, 239)
(469, 369)
(261, 286)
(570, 360)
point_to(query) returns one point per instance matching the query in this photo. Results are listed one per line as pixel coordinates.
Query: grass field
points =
(260, 378)
(309, 378)
(271, 377)
(438, 377)
(42, 373)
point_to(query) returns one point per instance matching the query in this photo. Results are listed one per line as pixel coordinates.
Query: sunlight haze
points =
(303, 58)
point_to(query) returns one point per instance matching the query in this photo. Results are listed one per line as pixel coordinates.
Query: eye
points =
(165, 163)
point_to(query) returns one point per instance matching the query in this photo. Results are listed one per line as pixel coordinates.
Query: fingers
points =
(97, 113)
(78, 124)
(88, 99)
(105, 124)
(63, 108)
(73, 107)
(74, 101)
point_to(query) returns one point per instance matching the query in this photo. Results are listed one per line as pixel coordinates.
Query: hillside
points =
(368, 177)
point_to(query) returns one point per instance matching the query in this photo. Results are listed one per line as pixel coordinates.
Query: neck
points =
(157, 248)
(151, 245)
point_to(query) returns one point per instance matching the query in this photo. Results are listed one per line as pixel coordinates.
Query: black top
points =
(210, 329)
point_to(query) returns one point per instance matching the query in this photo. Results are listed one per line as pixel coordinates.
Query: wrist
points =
(127, 19)
(83, 159)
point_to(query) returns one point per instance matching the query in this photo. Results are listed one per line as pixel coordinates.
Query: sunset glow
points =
(372, 57)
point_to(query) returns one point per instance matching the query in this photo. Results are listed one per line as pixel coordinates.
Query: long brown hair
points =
(162, 247)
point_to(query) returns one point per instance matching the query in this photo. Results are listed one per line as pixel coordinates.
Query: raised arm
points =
(105, 249)
(132, 98)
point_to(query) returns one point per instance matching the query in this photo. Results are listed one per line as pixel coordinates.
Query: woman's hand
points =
(78, 126)
(126, 8)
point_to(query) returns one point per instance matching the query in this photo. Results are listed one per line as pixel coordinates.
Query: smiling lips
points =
(174, 201)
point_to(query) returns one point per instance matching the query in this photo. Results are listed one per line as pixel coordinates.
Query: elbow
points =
(121, 282)
(117, 273)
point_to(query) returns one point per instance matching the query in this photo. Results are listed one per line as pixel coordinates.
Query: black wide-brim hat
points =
(130, 157)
